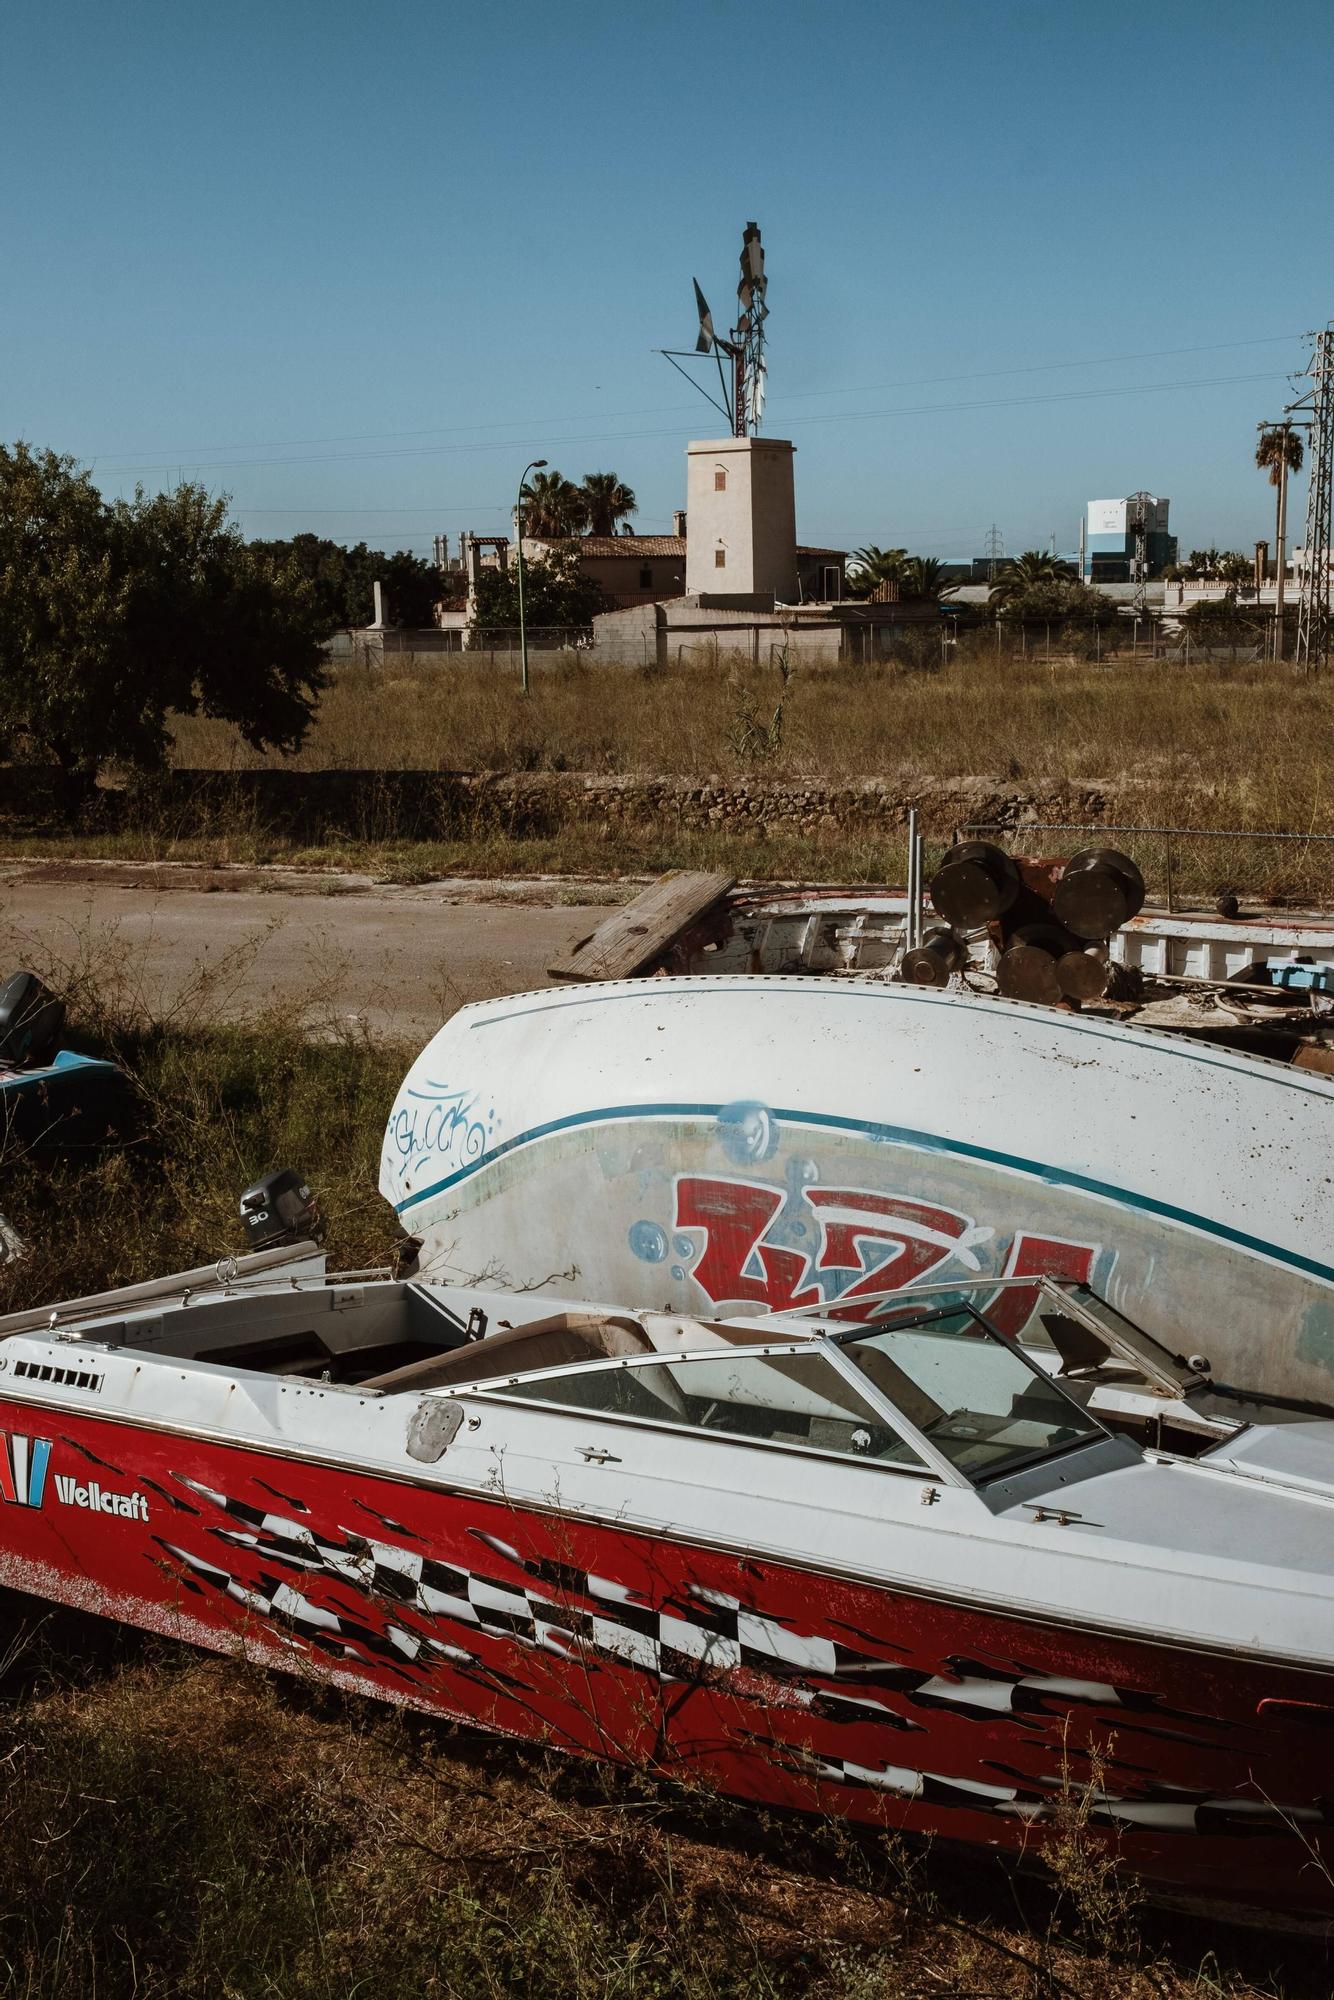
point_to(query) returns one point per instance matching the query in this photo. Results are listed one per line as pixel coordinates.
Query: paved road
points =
(238, 941)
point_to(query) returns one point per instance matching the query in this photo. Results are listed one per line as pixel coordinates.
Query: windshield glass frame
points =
(1094, 1432)
(929, 1461)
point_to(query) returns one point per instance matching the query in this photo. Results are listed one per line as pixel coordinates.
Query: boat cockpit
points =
(920, 1380)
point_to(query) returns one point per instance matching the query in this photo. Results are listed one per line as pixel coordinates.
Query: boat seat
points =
(557, 1342)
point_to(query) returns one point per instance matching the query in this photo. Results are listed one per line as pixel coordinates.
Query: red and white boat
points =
(901, 1572)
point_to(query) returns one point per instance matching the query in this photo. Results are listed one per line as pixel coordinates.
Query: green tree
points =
(924, 576)
(872, 565)
(1219, 622)
(556, 593)
(1024, 573)
(112, 617)
(1235, 568)
(343, 581)
(553, 506)
(607, 501)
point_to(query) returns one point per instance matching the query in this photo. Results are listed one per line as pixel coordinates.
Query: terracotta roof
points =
(802, 550)
(638, 546)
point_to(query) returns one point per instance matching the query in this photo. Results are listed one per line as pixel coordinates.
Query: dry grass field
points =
(1260, 738)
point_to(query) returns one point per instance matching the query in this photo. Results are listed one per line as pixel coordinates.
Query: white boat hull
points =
(784, 1142)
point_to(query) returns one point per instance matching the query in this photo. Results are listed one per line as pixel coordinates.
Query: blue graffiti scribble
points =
(441, 1126)
(648, 1242)
(747, 1132)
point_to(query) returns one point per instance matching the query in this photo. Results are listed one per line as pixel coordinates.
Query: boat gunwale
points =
(1042, 1618)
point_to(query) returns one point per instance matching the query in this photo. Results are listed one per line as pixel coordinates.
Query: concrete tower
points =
(741, 506)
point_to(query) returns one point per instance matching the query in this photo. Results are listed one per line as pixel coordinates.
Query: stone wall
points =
(423, 805)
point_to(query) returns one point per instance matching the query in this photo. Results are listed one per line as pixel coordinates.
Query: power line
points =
(192, 452)
(623, 437)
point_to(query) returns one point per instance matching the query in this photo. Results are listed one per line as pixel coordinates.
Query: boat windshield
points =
(976, 1399)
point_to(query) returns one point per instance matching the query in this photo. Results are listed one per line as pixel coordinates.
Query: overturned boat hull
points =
(751, 1142)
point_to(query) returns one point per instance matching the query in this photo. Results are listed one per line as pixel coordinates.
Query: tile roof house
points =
(646, 569)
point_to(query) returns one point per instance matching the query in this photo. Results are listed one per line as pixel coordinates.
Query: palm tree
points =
(1279, 452)
(869, 566)
(1021, 573)
(607, 501)
(923, 576)
(553, 507)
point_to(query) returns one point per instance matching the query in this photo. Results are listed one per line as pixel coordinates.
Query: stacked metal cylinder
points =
(1049, 920)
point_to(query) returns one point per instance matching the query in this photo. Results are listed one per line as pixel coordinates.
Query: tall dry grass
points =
(1261, 739)
(176, 1827)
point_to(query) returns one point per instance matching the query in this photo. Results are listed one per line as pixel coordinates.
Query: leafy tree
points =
(553, 506)
(556, 593)
(607, 500)
(872, 565)
(1024, 573)
(1057, 600)
(343, 581)
(113, 616)
(1202, 563)
(1235, 567)
(924, 576)
(1220, 621)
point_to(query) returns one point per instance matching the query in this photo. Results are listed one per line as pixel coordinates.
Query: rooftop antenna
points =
(743, 346)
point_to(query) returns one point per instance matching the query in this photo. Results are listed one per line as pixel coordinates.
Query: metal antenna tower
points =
(743, 345)
(994, 552)
(1137, 520)
(1313, 612)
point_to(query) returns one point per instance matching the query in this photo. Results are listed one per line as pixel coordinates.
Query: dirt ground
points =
(397, 958)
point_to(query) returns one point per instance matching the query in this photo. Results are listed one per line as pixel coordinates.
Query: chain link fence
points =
(1189, 866)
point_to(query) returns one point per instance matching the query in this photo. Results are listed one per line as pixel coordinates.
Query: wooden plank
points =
(633, 937)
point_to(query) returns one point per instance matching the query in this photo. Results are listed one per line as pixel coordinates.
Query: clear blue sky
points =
(354, 265)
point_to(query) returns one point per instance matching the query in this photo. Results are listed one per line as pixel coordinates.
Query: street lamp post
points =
(536, 466)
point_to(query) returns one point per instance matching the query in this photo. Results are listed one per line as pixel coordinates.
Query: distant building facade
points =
(1117, 530)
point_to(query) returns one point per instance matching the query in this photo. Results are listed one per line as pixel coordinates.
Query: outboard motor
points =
(31, 1019)
(281, 1208)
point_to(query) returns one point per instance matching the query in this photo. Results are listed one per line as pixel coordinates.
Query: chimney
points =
(679, 523)
(378, 620)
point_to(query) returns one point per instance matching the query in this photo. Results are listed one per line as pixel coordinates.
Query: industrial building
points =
(1126, 541)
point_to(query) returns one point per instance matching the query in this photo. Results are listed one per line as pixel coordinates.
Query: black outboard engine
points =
(281, 1208)
(31, 1019)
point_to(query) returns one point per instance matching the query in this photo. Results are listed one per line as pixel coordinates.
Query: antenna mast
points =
(1137, 520)
(1313, 611)
(743, 345)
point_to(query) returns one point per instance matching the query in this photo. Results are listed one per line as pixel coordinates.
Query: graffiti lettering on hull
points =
(842, 1247)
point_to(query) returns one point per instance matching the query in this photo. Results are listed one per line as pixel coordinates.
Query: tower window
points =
(719, 480)
(646, 578)
(720, 558)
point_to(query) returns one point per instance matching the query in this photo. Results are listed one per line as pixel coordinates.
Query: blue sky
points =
(354, 265)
